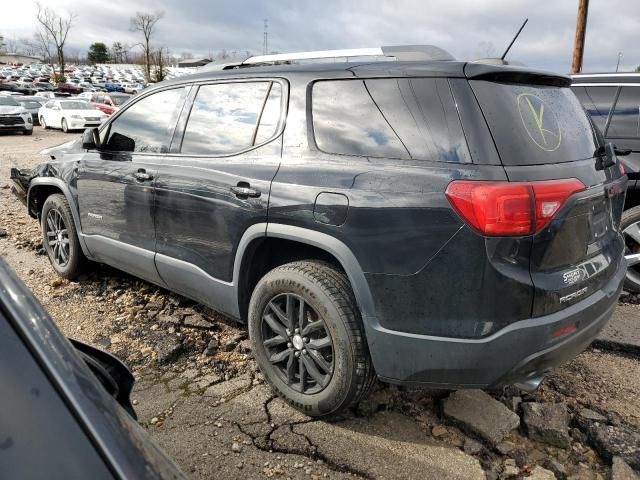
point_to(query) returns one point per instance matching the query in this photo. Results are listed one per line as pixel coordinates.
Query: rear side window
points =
(388, 118)
(597, 101)
(625, 121)
(227, 118)
(535, 124)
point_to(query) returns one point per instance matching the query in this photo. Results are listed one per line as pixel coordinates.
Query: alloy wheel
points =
(297, 343)
(57, 238)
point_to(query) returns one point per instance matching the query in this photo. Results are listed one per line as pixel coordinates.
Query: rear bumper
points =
(522, 352)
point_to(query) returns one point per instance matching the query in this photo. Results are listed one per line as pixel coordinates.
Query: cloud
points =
(468, 29)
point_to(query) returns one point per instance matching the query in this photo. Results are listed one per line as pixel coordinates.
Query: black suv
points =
(428, 222)
(613, 102)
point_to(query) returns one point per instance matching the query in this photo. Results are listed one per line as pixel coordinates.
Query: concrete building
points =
(18, 58)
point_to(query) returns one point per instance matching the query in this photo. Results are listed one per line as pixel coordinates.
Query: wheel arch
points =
(40, 189)
(309, 241)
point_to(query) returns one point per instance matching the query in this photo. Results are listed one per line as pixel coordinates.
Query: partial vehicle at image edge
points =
(65, 396)
(426, 222)
(14, 117)
(613, 102)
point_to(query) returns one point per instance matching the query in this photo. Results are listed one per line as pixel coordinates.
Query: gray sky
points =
(467, 28)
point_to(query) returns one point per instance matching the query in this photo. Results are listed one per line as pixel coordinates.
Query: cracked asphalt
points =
(203, 400)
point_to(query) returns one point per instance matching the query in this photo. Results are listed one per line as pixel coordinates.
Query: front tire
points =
(308, 338)
(65, 127)
(60, 238)
(42, 123)
(630, 226)
(27, 132)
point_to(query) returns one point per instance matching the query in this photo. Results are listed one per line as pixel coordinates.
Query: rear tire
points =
(330, 343)
(60, 239)
(630, 218)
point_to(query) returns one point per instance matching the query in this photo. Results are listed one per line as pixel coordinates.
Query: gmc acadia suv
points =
(428, 222)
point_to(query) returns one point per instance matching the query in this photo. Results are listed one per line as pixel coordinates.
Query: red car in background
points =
(108, 102)
(68, 88)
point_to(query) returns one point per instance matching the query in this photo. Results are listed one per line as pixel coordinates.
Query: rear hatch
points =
(542, 133)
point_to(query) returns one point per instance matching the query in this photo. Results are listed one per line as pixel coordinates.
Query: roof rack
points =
(399, 52)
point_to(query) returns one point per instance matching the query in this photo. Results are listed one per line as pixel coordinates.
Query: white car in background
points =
(72, 114)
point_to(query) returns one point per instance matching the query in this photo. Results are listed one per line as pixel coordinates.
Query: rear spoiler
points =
(513, 74)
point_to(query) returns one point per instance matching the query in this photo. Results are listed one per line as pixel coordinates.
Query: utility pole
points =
(578, 44)
(619, 58)
(265, 45)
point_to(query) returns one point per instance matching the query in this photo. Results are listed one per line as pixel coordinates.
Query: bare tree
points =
(28, 46)
(44, 48)
(11, 45)
(160, 58)
(56, 29)
(146, 24)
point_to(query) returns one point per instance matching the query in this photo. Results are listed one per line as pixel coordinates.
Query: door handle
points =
(142, 176)
(244, 190)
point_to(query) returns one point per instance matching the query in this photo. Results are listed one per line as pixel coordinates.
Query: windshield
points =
(8, 101)
(535, 124)
(75, 106)
(30, 104)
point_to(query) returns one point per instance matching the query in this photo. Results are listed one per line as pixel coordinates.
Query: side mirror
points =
(114, 376)
(91, 139)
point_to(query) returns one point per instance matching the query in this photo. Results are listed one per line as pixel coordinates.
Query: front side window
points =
(147, 125)
(227, 118)
(389, 118)
(625, 121)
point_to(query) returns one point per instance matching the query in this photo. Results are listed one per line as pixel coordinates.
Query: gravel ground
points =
(201, 397)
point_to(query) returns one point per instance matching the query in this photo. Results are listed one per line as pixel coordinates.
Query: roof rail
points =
(399, 52)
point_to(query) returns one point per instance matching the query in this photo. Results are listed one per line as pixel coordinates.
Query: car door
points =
(52, 115)
(115, 183)
(215, 185)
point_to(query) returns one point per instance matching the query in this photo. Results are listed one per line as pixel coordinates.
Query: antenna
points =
(265, 45)
(514, 39)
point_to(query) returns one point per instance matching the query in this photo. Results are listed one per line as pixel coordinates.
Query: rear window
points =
(389, 118)
(535, 124)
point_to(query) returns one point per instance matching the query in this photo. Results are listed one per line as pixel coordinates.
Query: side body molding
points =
(64, 188)
(339, 250)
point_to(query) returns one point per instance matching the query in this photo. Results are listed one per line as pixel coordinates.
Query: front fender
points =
(34, 210)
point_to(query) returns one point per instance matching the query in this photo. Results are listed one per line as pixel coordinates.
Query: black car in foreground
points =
(65, 405)
(420, 219)
(613, 102)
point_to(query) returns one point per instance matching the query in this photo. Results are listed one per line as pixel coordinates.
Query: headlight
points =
(77, 117)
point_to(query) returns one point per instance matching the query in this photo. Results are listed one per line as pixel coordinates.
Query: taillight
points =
(510, 208)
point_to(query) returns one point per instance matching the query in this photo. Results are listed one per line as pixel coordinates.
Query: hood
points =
(11, 110)
(59, 150)
(84, 113)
